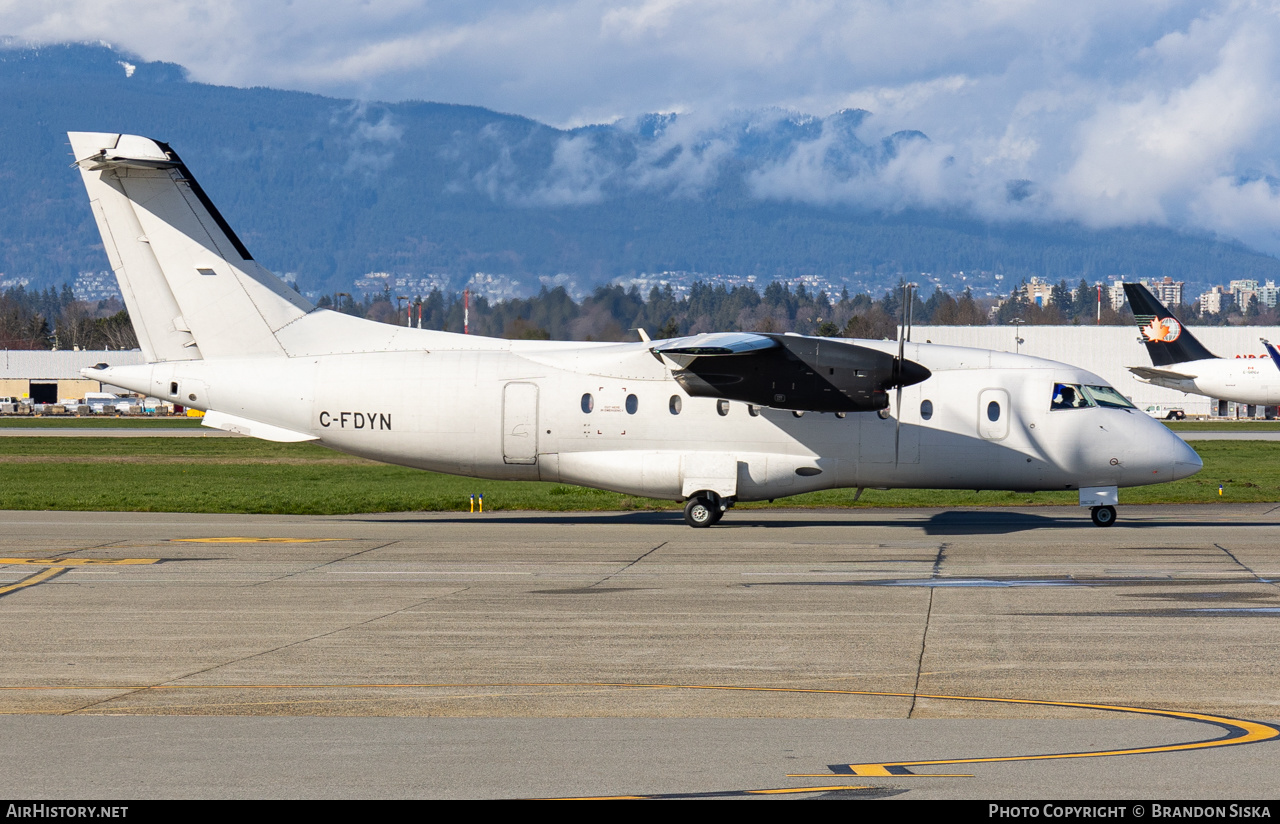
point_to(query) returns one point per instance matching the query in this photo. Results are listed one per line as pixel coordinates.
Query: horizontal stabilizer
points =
(1147, 373)
(244, 426)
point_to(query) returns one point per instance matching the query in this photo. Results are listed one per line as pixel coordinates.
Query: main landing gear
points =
(705, 509)
(1103, 515)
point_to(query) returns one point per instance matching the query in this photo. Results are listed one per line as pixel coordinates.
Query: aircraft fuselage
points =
(1241, 380)
(611, 416)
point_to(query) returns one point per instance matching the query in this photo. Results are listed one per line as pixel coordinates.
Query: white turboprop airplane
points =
(1179, 361)
(710, 419)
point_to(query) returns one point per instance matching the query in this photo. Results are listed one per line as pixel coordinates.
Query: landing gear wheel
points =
(716, 514)
(1103, 515)
(699, 512)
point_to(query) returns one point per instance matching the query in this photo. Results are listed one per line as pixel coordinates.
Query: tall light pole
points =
(1017, 335)
(408, 319)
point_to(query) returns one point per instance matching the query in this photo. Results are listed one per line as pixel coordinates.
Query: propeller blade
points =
(897, 373)
(897, 427)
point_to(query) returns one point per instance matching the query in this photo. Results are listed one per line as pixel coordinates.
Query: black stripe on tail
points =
(1168, 341)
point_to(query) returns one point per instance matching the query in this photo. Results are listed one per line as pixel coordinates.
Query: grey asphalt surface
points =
(548, 655)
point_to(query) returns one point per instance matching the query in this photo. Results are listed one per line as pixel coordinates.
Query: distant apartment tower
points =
(1115, 292)
(1167, 290)
(1267, 294)
(1213, 300)
(1244, 291)
(1039, 292)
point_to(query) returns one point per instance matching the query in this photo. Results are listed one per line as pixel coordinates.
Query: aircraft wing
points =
(1148, 373)
(684, 350)
(787, 371)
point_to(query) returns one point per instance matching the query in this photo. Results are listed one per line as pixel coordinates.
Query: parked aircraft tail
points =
(1271, 350)
(1168, 341)
(192, 289)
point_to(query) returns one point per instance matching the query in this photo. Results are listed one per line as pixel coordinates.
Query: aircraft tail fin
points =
(1271, 350)
(1168, 341)
(191, 287)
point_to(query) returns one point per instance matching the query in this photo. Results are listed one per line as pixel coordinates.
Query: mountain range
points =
(324, 191)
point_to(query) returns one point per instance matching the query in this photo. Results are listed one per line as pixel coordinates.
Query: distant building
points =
(1244, 291)
(1167, 290)
(48, 377)
(92, 287)
(413, 285)
(1213, 300)
(1267, 294)
(1039, 292)
(1115, 292)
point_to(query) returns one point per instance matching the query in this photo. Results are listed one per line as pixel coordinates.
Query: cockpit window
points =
(1069, 396)
(1108, 397)
(1079, 396)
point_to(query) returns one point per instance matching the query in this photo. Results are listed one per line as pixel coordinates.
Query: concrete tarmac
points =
(572, 654)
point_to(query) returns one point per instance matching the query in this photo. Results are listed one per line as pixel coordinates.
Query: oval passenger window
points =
(993, 411)
(722, 407)
(633, 403)
(926, 410)
(588, 402)
(675, 405)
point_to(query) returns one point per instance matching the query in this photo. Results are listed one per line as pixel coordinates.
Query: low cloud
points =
(1157, 112)
(371, 136)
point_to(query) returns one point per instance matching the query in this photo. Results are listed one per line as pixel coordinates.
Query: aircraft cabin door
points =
(520, 423)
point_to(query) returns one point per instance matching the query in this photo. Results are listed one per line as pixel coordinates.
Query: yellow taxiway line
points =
(32, 580)
(1237, 731)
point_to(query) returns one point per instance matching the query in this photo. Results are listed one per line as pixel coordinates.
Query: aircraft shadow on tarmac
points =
(956, 522)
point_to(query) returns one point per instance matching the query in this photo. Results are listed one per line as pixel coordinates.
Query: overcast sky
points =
(1144, 111)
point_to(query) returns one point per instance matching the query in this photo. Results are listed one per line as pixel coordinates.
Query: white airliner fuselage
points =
(1241, 380)
(1179, 361)
(649, 418)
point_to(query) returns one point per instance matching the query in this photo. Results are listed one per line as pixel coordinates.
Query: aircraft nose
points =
(1158, 454)
(1185, 461)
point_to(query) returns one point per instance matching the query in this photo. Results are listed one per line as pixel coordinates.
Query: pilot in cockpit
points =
(1064, 397)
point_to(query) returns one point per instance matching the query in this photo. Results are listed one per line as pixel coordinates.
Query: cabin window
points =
(753, 410)
(798, 413)
(633, 403)
(926, 409)
(588, 403)
(675, 405)
(173, 387)
(840, 415)
(993, 411)
(722, 408)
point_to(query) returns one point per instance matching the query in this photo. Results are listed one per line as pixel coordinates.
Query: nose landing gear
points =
(1103, 515)
(705, 509)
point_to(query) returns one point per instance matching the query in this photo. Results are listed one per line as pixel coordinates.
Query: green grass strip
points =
(1223, 426)
(96, 422)
(236, 475)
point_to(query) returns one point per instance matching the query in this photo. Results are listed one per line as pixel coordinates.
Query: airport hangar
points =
(48, 377)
